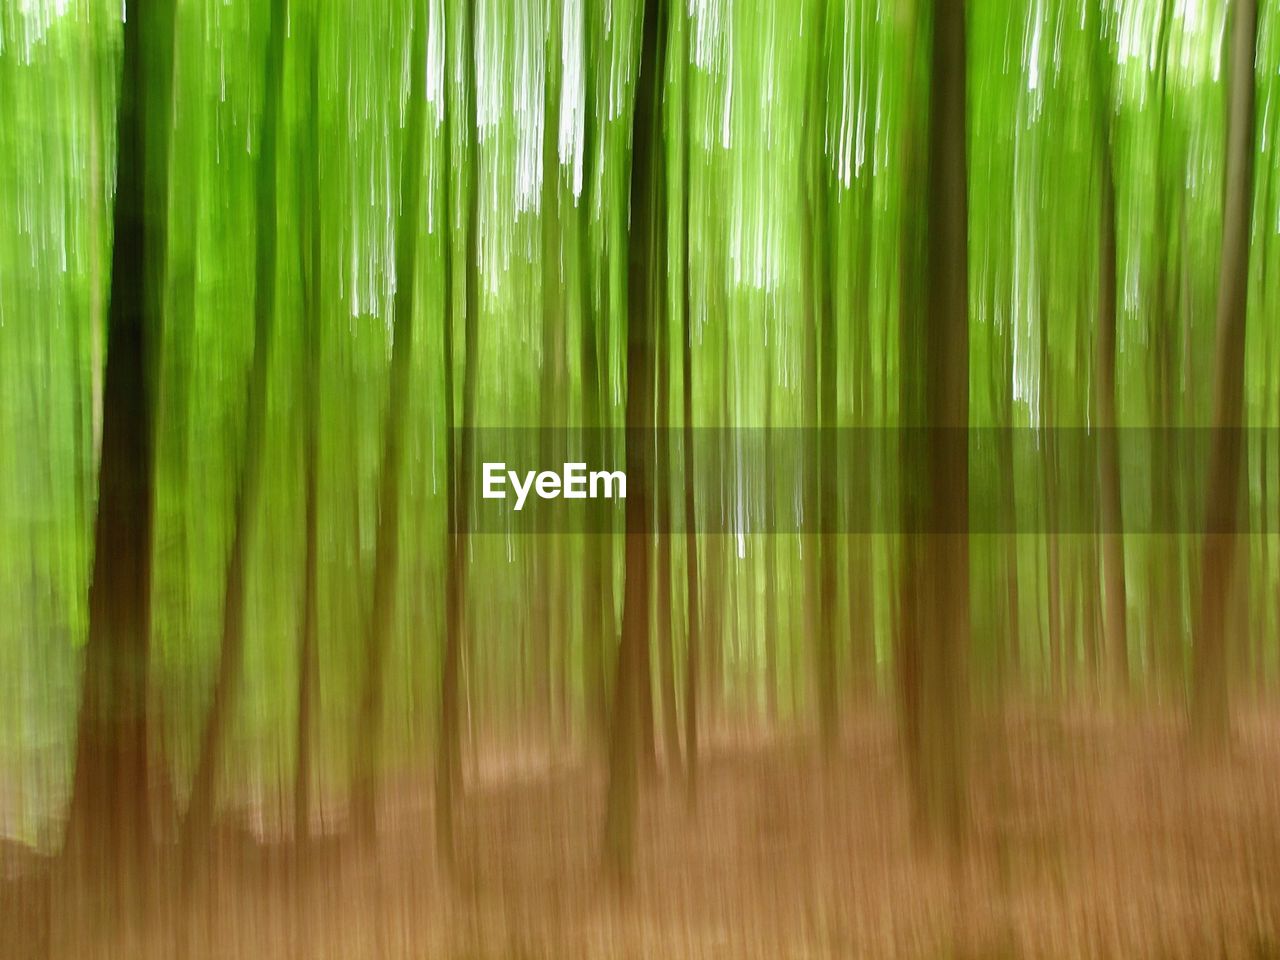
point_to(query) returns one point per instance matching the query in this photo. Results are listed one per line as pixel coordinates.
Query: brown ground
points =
(1092, 837)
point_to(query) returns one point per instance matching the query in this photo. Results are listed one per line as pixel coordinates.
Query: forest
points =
(927, 351)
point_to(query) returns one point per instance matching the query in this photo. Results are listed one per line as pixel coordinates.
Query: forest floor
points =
(1092, 836)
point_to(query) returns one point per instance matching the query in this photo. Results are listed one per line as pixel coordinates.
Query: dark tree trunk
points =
(819, 304)
(645, 263)
(108, 842)
(944, 597)
(1210, 705)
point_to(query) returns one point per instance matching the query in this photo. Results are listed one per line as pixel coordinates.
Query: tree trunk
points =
(645, 263)
(693, 613)
(311, 262)
(546, 553)
(459, 469)
(1049, 464)
(1011, 649)
(1210, 708)
(664, 634)
(595, 625)
(944, 600)
(860, 545)
(666, 637)
(771, 632)
(108, 841)
(1164, 599)
(907, 638)
(817, 264)
(1112, 517)
(367, 749)
(198, 821)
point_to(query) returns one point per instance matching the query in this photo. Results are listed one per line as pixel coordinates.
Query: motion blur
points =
(925, 352)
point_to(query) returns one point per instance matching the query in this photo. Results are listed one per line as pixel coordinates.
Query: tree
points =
(547, 557)
(663, 513)
(823, 382)
(108, 835)
(597, 624)
(860, 575)
(368, 745)
(693, 608)
(943, 619)
(459, 468)
(198, 821)
(311, 258)
(644, 263)
(1112, 517)
(1210, 706)
(1164, 622)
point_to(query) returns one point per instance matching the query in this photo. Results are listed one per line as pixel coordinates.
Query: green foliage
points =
(1034, 227)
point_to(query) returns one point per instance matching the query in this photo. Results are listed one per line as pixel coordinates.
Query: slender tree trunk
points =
(449, 752)
(645, 264)
(1270, 496)
(1112, 517)
(595, 625)
(647, 724)
(771, 632)
(1057, 658)
(1258, 659)
(174, 427)
(367, 749)
(1210, 708)
(861, 568)
(819, 303)
(944, 599)
(1268, 434)
(908, 640)
(693, 612)
(311, 262)
(1011, 659)
(198, 821)
(716, 584)
(1164, 600)
(547, 553)
(666, 642)
(664, 634)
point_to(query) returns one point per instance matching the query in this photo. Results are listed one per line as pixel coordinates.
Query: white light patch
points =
(573, 54)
